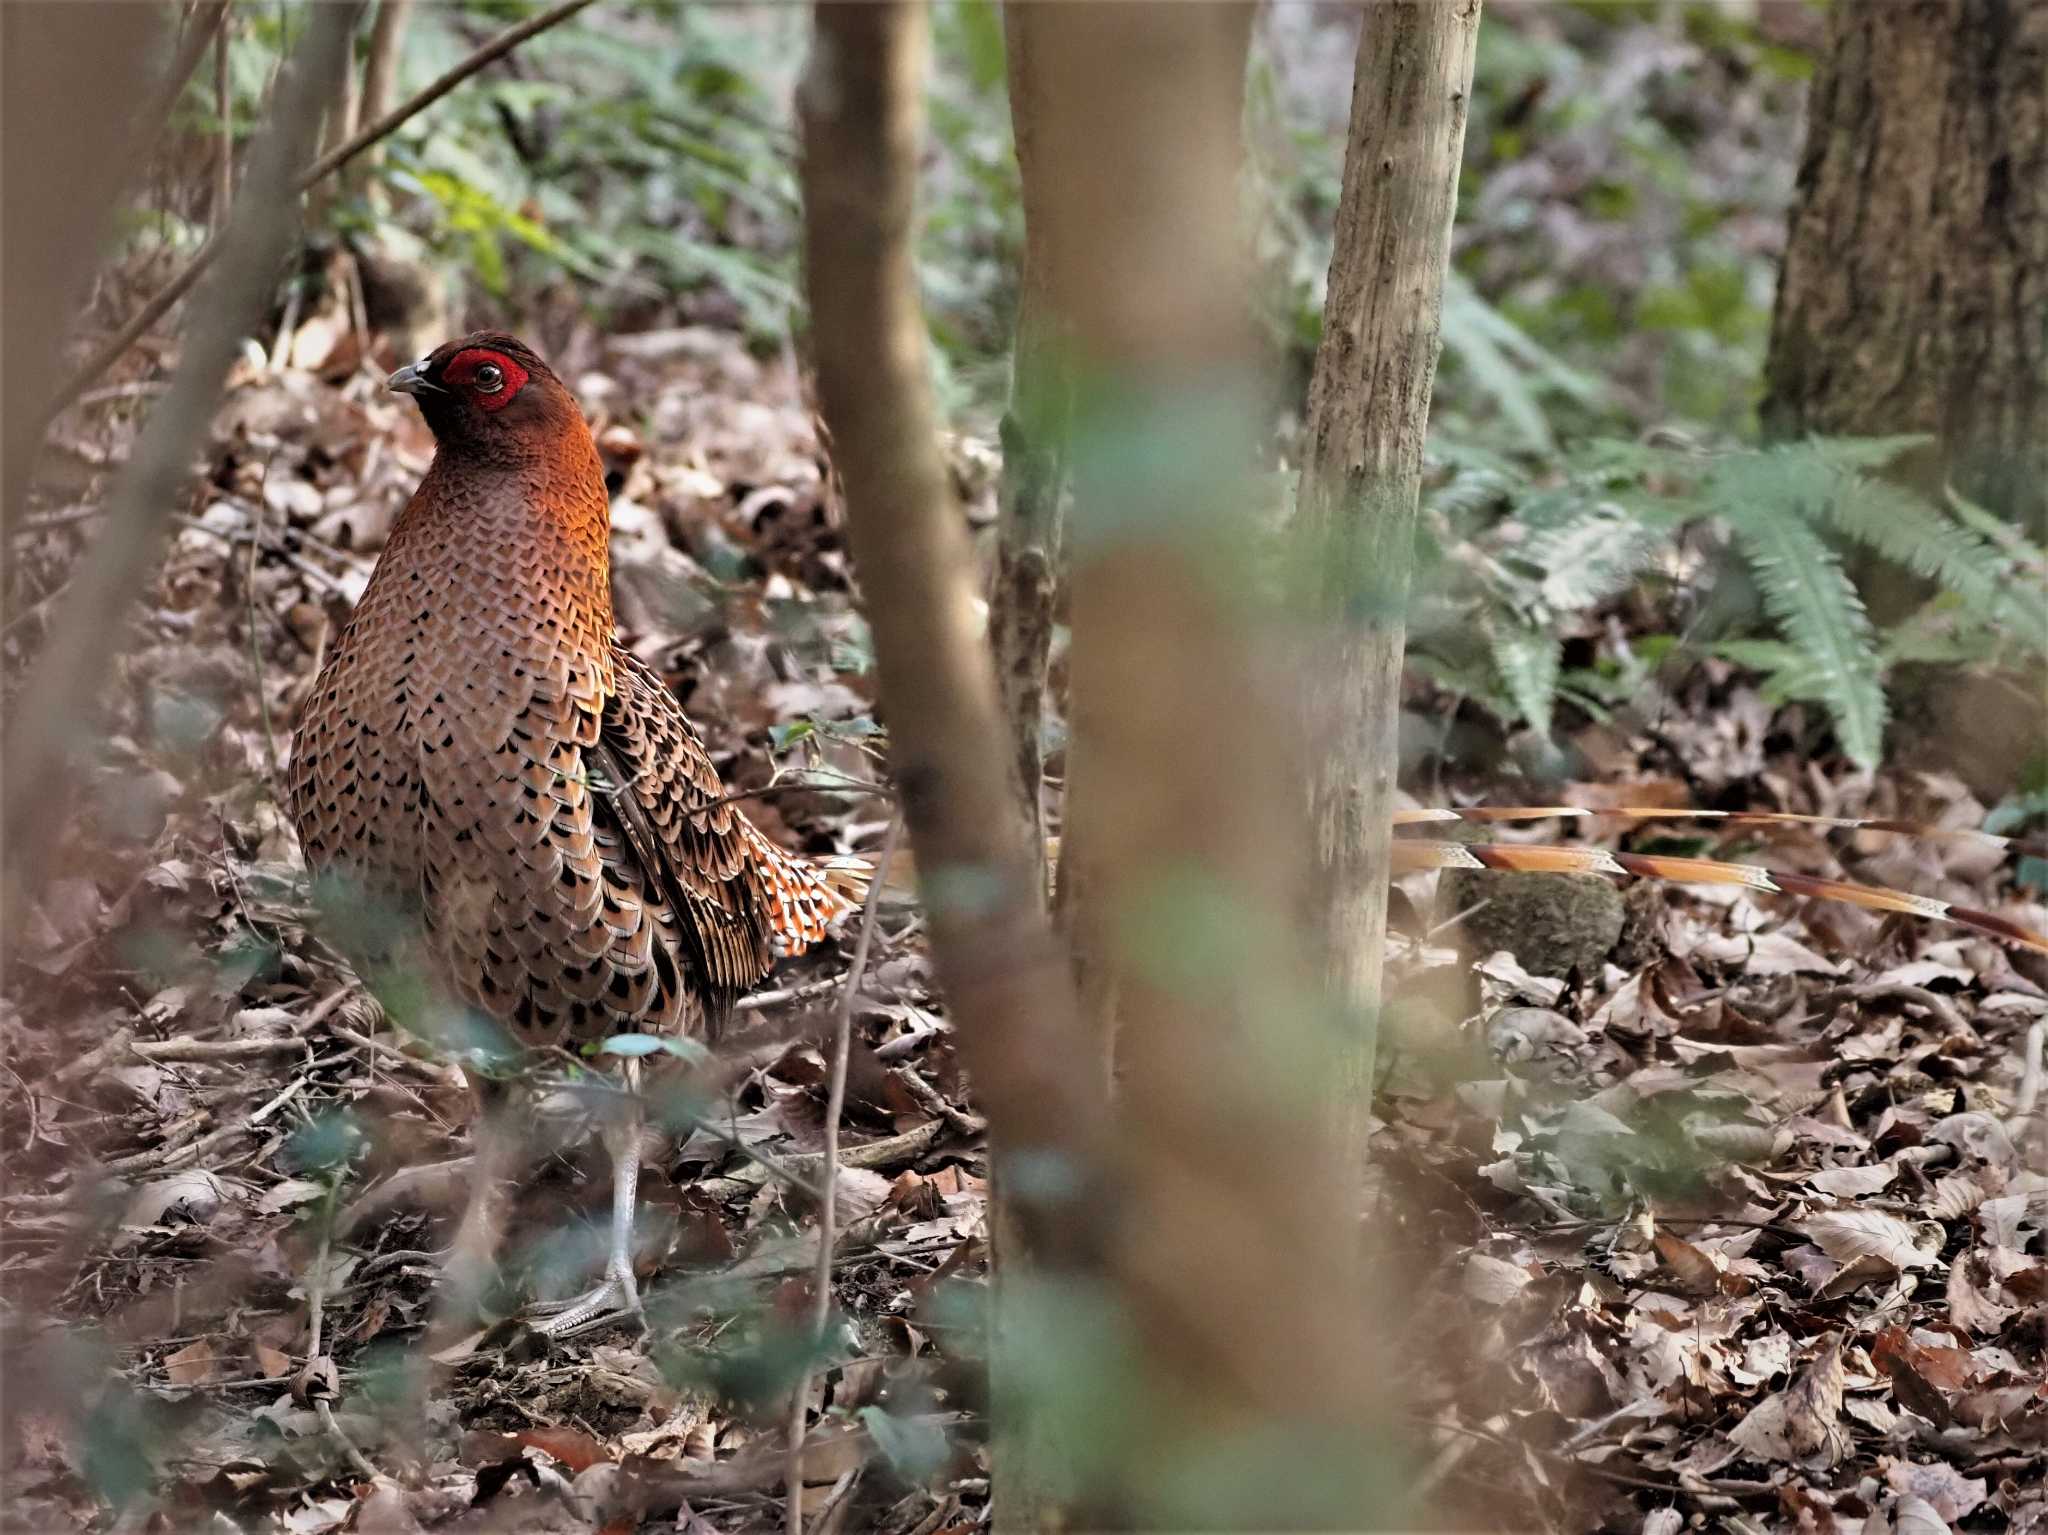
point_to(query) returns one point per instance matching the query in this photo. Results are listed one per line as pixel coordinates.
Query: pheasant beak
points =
(412, 379)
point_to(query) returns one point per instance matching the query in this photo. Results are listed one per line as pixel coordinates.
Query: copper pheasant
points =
(481, 756)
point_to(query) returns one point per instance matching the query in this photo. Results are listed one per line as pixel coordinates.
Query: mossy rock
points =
(1552, 923)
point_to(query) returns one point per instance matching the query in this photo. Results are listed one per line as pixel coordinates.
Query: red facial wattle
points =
(466, 372)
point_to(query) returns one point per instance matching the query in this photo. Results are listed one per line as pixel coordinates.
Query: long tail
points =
(1414, 854)
(810, 895)
(1495, 815)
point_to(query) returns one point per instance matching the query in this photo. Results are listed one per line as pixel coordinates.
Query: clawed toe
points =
(614, 1299)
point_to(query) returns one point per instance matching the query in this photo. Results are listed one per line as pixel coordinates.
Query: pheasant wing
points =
(668, 799)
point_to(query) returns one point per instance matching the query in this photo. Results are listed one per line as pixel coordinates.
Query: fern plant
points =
(1615, 514)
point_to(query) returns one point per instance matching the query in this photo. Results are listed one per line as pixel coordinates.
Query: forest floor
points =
(1739, 1221)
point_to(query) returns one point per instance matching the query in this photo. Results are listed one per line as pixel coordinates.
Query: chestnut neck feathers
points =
(516, 489)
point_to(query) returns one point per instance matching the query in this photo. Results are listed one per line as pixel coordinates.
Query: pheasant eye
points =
(490, 378)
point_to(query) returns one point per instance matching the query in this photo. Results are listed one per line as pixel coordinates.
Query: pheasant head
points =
(488, 398)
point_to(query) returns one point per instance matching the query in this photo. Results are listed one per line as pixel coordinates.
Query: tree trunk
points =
(380, 83)
(1034, 430)
(1232, 1251)
(1006, 981)
(52, 713)
(1368, 413)
(1916, 272)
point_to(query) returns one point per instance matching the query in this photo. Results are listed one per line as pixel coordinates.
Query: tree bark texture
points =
(1233, 1271)
(1916, 272)
(1368, 414)
(1007, 985)
(1035, 429)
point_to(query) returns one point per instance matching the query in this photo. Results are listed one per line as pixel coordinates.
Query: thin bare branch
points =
(1006, 980)
(828, 1213)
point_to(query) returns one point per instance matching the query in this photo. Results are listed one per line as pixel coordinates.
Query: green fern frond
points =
(1527, 660)
(1905, 529)
(1815, 604)
(1590, 557)
(1508, 364)
(1856, 455)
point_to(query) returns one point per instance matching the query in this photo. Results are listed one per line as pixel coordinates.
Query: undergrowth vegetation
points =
(1621, 210)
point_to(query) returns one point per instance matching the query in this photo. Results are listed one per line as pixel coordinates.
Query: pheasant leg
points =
(619, 1294)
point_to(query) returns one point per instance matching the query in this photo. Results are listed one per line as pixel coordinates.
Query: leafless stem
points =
(828, 1214)
(380, 69)
(205, 26)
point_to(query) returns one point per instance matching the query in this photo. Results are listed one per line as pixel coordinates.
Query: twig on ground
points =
(828, 1225)
(172, 1156)
(355, 1456)
(316, 1319)
(108, 1051)
(186, 1048)
(760, 1001)
(795, 1170)
(932, 1101)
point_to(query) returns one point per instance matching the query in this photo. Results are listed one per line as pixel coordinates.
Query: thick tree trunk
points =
(1233, 1271)
(1916, 273)
(1006, 981)
(1368, 413)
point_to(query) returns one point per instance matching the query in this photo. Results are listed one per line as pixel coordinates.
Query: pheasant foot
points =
(618, 1296)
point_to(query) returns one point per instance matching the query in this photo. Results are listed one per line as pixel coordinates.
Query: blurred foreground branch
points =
(59, 172)
(1235, 1270)
(1368, 413)
(58, 696)
(863, 121)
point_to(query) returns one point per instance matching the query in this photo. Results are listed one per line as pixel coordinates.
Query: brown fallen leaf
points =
(1803, 1421)
(1695, 1271)
(1970, 1305)
(193, 1365)
(1846, 1235)
(271, 1363)
(1946, 1490)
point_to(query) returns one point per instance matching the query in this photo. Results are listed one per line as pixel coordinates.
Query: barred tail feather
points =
(1494, 815)
(1414, 855)
(804, 897)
